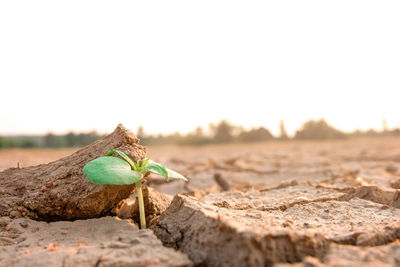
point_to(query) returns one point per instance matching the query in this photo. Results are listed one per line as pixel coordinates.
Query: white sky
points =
(173, 65)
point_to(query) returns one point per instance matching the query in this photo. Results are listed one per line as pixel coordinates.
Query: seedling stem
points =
(141, 205)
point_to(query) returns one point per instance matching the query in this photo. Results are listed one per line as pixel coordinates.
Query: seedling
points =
(117, 171)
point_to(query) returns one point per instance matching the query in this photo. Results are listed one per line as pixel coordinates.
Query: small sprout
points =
(113, 170)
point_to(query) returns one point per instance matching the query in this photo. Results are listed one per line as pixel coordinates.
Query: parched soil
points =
(333, 203)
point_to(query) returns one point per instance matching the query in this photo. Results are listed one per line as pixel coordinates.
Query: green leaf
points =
(160, 169)
(175, 175)
(122, 155)
(156, 168)
(110, 170)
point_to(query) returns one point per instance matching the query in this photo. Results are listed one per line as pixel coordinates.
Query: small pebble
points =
(24, 224)
(15, 214)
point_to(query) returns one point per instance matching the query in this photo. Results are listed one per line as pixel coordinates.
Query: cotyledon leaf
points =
(175, 175)
(122, 155)
(160, 169)
(156, 168)
(111, 170)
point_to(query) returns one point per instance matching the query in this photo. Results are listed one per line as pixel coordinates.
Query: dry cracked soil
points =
(333, 203)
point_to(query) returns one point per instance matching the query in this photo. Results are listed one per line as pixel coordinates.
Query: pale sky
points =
(173, 65)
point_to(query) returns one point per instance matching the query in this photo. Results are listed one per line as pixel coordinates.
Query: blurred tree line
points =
(225, 132)
(218, 133)
(50, 140)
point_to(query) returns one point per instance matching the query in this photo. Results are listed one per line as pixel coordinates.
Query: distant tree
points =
(50, 140)
(193, 140)
(256, 135)
(318, 129)
(7, 143)
(283, 134)
(2, 142)
(222, 132)
(196, 137)
(85, 139)
(71, 139)
(28, 143)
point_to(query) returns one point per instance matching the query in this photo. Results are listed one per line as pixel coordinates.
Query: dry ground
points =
(370, 161)
(333, 203)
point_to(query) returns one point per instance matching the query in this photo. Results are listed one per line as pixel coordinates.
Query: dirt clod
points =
(59, 190)
(256, 229)
(94, 242)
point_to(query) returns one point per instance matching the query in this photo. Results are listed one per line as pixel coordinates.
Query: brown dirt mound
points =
(59, 190)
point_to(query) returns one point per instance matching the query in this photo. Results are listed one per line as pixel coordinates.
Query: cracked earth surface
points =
(330, 203)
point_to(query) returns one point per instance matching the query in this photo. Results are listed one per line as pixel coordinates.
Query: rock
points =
(24, 224)
(222, 182)
(94, 242)
(155, 203)
(263, 228)
(59, 190)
